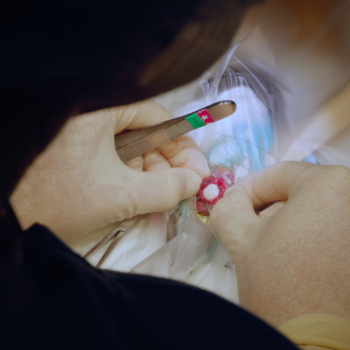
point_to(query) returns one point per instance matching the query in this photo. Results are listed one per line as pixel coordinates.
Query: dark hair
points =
(63, 57)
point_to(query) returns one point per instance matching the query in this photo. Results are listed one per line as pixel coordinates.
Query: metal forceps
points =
(123, 228)
(135, 143)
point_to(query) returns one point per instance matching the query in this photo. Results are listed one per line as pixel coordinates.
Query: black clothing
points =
(53, 299)
(73, 56)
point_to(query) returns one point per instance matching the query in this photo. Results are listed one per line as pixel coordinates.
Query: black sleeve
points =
(53, 299)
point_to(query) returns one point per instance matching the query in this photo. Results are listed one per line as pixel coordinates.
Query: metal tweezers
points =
(135, 143)
(123, 228)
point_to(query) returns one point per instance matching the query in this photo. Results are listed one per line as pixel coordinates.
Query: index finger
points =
(275, 183)
(183, 152)
(138, 115)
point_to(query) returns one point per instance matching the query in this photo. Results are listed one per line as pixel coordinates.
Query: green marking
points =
(195, 121)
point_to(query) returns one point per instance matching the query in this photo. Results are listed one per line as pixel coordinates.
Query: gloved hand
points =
(293, 258)
(79, 184)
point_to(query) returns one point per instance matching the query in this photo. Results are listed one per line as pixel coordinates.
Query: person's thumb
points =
(234, 220)
(158, 191)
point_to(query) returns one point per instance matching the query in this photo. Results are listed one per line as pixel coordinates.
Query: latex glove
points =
(79, 184)
(296, 261)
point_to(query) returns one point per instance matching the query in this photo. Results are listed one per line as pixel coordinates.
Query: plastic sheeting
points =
(290, 82)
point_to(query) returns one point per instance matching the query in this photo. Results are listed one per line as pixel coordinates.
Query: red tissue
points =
(223, 178)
